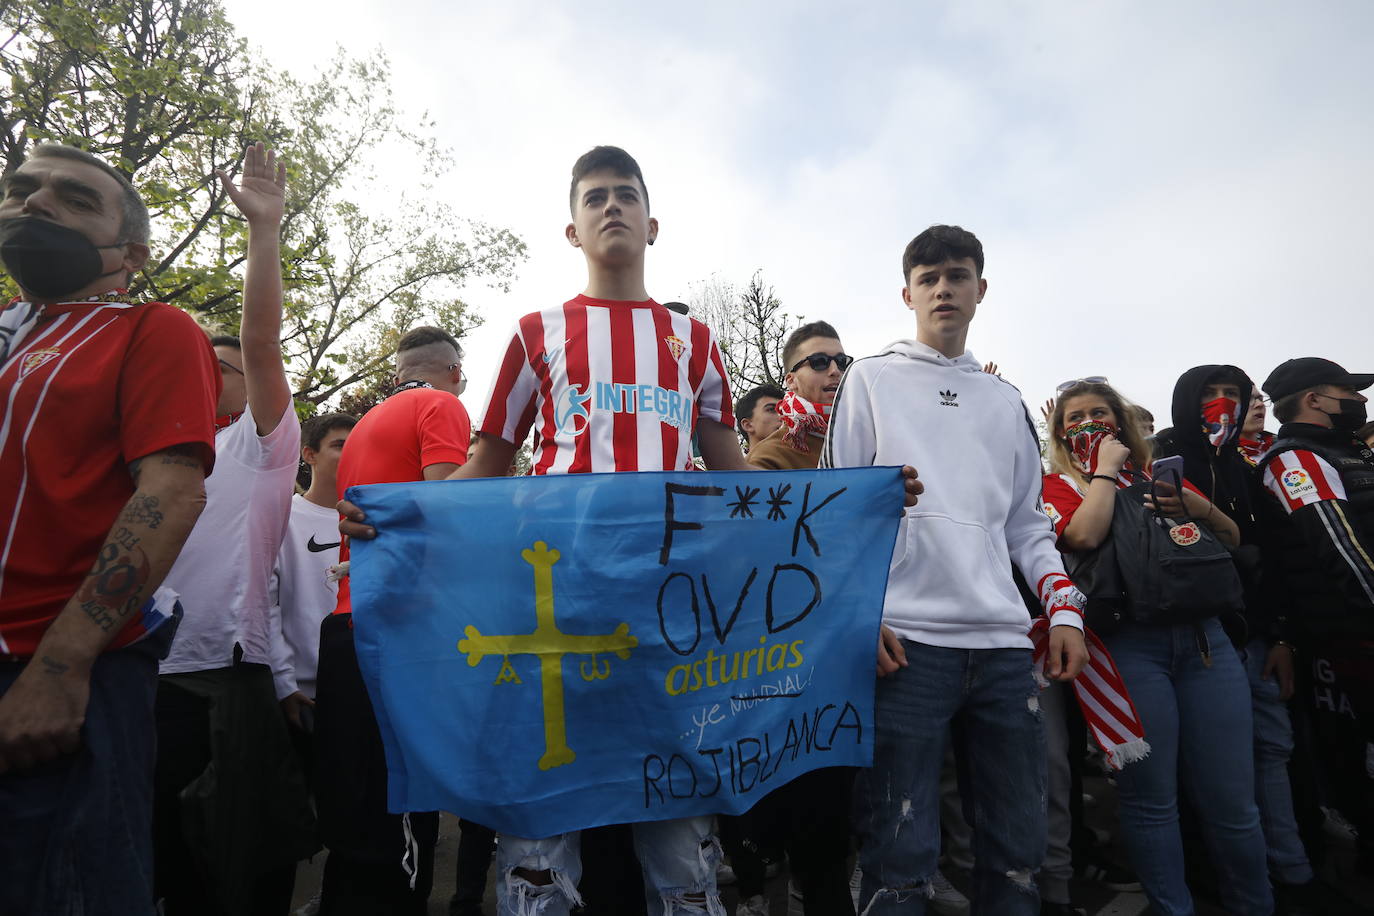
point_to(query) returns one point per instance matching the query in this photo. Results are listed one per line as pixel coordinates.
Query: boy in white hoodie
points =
(954, 651)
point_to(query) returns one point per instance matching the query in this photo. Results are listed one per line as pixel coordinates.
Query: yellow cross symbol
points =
(550, 644)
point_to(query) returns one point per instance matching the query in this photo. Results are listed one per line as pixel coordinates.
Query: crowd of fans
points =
(182, 715)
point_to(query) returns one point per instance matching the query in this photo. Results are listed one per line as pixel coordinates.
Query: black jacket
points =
(1226, 478)
(1321, 555)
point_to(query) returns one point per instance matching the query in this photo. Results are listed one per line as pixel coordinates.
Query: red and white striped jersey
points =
(608, 386)
(1299, 478)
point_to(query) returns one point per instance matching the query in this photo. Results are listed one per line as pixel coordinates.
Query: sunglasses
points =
(819, 362)
(1090, 380)
(229, 365)
(462, 377)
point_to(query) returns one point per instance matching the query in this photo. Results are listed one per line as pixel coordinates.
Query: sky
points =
(1156, 185)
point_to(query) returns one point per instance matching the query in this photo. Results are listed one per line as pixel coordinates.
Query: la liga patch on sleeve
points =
(1052, 512)
(1297, 483)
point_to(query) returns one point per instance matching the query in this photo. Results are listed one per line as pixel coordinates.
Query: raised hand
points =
(260, 193)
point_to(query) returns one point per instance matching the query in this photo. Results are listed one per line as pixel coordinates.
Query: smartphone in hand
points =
(1169, 470)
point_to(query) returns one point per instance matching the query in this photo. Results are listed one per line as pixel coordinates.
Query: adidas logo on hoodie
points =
(949, 399)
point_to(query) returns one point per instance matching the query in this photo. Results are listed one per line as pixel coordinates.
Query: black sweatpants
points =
(365, 874)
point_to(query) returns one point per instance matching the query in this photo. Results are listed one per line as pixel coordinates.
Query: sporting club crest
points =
(38, 358)
(676, 345)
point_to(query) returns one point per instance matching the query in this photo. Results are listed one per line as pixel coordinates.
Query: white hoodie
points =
(970, 438)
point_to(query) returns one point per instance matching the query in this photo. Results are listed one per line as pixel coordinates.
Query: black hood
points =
(1187, 432)
(1222, 474)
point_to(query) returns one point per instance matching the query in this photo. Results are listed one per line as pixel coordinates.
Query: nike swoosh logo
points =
(311, 546)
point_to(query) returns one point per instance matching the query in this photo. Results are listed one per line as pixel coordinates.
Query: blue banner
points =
(546, 654)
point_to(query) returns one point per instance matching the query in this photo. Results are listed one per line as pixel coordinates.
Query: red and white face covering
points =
(1085, 441)
(802, 418)
(1219, 420)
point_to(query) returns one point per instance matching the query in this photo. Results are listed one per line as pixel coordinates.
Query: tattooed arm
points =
(42, 712)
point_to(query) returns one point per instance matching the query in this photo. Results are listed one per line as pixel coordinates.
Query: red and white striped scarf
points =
(802, 418)
(1101, 693)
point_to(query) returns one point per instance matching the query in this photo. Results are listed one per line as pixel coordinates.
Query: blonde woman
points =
(1194, 702)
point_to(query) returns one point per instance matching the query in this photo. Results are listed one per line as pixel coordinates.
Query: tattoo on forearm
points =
(125, 538)
(114, 587)
(53, 666)
(142, 510)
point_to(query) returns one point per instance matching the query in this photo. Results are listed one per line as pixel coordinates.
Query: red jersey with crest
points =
(608, 386)
(94, 386)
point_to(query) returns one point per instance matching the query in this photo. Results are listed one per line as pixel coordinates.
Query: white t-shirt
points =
(302, 595)
(224, 568)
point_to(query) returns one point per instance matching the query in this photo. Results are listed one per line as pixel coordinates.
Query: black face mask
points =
(1350, 417)
(49, 260)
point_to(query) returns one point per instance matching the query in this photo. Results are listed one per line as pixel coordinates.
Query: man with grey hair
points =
(420, 432)
(106, 439)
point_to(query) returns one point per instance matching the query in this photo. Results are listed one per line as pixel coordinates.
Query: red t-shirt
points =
(1061, 497)
(94, 386)
(609, 385)
(395, 441)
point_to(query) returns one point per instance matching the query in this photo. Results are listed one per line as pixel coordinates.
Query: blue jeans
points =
(679, 858)
(1199, 715)
(76, 832)
(1273, 747)
(989, 701)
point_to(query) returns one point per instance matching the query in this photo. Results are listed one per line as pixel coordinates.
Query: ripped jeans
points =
(988, 702)
(679, 858)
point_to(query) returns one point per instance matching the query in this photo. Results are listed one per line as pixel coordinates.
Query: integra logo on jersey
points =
(949, 399)
(570, 410)
(671, 407)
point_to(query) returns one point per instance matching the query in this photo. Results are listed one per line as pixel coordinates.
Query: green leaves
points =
(166, 92)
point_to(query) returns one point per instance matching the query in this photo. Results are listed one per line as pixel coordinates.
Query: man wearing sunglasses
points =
(815, 360)
(809, 816)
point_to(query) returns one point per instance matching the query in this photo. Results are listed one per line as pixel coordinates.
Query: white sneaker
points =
(756, 905)
(947, 900)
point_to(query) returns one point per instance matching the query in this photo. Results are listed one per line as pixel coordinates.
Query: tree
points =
(159, 88)
(750, 327)
(164, 90)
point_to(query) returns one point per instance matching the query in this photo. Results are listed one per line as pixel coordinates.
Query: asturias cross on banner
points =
(546, 654)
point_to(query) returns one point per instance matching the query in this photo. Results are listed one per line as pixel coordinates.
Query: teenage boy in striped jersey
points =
(612, 381)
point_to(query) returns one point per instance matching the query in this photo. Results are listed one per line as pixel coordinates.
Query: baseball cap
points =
(1308, 372)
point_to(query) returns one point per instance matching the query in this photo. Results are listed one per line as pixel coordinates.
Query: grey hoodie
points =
(969, 436)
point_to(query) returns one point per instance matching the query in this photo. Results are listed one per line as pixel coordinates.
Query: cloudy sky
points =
(1156, 185)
